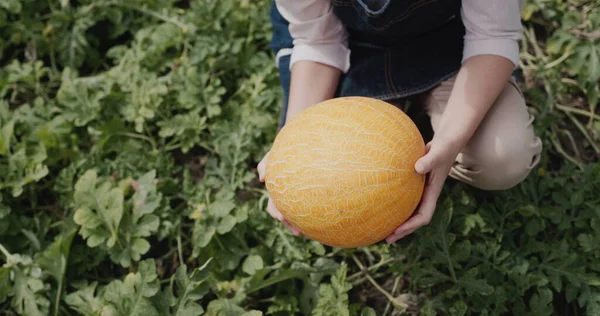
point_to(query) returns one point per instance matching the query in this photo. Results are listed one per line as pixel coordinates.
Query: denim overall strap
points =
(281, 45)
(400, 48)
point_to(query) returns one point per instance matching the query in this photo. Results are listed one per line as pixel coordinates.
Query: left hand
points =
(439, 157)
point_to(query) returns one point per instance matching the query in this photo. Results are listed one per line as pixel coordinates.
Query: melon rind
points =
(342, 171)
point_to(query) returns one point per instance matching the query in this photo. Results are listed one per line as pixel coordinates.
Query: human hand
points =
(436, 163)
(271, 208)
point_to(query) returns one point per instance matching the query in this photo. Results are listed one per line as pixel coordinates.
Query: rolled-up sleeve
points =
(493, 27)
(318, 34)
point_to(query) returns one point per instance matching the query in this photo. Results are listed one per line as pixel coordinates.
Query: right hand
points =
(271, 208)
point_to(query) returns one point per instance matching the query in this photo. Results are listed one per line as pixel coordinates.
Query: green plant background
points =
(129, 135)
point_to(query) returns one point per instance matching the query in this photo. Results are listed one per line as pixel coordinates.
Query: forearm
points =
(311, 83)
(478, 84)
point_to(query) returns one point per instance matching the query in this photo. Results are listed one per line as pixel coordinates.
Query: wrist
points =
(450, 144)
(311, 83)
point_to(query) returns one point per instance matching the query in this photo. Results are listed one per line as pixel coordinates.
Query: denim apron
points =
(398, 48)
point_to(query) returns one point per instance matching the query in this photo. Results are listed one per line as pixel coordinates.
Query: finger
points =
(415, 222)
(395, 237)
(273, 211)
(427, 147)
(291, 228)
(426, 163)
(261, 168)
(424, 213)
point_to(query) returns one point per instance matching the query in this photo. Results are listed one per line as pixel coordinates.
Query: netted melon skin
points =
(342, 171)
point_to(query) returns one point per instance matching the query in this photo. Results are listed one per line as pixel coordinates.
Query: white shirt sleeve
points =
(492, 27)
(317, 32)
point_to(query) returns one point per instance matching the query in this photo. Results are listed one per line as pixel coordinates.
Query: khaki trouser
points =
(504, 148)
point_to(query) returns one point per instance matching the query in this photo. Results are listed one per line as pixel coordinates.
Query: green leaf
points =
(84, 301)
(111, 208)
(13, 6)
(443, 215)
(590, 298)
(81, 104)
(559, 198)
(252, 264)
(588, 242)
(298, 270)
(221, 208)
(472, 284)
(527, 210)
(284, 304)
(146, 199)
(5, 284)
(368, 311)
(85, 217)
(534, 226)
(458, 309)
(224, 306)
(226, 224)
(72, 43)
(25, 164)
(107, 218)
(190, 290)
(98, 202)
(132, 295)
(333, 298)
(54, 261)
(202, 236)
(186, 128)
(472, 221)
(577, 198)
(147, 225)
(6, 134)
(139, 247)
(541, 302)
(28, 288)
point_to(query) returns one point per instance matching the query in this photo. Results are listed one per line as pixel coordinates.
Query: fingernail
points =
(419, 167)
(294, 231)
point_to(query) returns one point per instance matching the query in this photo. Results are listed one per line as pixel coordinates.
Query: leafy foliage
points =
(129, 132)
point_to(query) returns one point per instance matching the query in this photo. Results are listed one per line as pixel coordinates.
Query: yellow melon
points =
(342, 171)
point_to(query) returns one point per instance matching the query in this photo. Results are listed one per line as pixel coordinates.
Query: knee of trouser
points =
(508, 169)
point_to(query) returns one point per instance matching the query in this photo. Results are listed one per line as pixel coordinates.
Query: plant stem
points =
(364, 278)
(569, 109)
(58, 294)
(558, 61)
(4, 251)
(219, 242)
(389, 304)
(170, 252)
(179, 248)
(155, 14)
(134, 135)
(584, 132)
(377, 286)
(573, 143)
(561, 151)
(376, 266)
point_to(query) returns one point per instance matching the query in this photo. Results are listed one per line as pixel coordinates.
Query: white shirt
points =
(492, 27)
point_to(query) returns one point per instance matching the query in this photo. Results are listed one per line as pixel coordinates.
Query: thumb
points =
(261, 168)
(426, 163)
